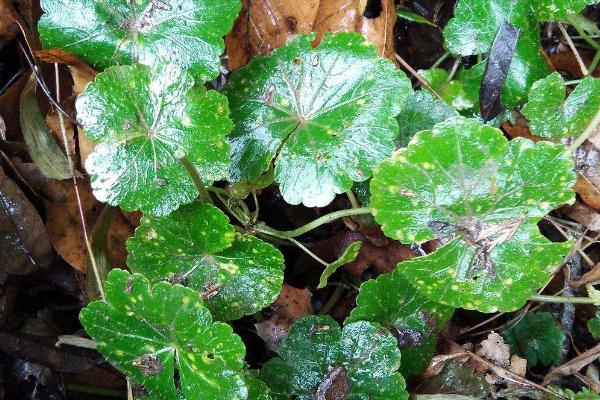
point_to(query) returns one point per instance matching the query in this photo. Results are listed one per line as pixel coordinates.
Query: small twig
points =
(586, 133)
(454, 69)
(440, 60)
(562, 299)
(584, 69)
(256, 207)
(414, 73)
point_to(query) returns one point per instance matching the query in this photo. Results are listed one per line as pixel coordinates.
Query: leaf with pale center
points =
(186, 33)
(464, 180)
(317, 358)
(143, 120)
(472, 31)
(325, 115)
(196, 246)
(415, 320)
(147, 332)
(551, 116)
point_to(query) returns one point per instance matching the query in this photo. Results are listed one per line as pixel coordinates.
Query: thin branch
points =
(414, 73)
(584, 69)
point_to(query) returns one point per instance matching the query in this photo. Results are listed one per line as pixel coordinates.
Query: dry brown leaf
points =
(336, 16)
(8, 24)
(494, 349)
(587, 165)
(584, 215)
(518, 365)
(237, 45)
(63, 220)
(81, 73)
(272, 22)
(575, 364)
(24, 243)
(291, 304)
(380, 30)
(9, 108)
(519, 129)
(54, 125)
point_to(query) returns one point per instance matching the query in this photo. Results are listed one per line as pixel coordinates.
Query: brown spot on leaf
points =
(148, 364)
(333, 386)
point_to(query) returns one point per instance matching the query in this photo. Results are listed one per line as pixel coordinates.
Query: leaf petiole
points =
(191, 170)
(562, 299)
(325, 219)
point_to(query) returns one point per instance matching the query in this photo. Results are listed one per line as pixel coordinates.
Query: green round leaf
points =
(421, 111)
(316, 355)
(187, 33)
(551, 10)
(144, 120)
(147, 332)
(392, 302)
(195, 245)
(515, 269)
(452, 92)
(551, 116)
(464, 179)
(324, 114)
(538, 337)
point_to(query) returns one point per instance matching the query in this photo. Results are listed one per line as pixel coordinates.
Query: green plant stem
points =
(594, 62)
(352, 199)
(562, 299)
(191, 170)
(582, 34)
(440, 60)
(337, 294)
(325, 219)
(310, 253)
(586, 133)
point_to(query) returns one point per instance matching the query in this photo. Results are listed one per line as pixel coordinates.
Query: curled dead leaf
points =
(24, 243)
(291, 304)
(81, 73)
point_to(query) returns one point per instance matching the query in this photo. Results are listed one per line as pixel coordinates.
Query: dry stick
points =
(504, 373)
(584, 69)
(414, 73)
(586, 133)
(86, 238)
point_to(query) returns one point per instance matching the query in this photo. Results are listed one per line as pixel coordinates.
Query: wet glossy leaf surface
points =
(147, 332)
(473, 29)
(144, 120)
(349, 255)
(421, 111)
(550, 10)
(318, 358)
(538, 337)
(196, 246)
(593, 326)
(415, 320)
(325, 116)
(465, 180)
(450, 90)
(187, 33)
(552, 116)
